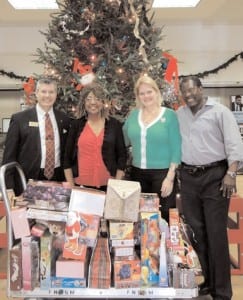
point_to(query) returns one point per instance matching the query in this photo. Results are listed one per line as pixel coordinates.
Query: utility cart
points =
(78, 293)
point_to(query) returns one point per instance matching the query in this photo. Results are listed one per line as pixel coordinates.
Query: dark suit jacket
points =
(233, 106)
(23, 141)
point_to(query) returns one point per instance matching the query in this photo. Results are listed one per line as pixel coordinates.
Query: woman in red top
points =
(95, 143)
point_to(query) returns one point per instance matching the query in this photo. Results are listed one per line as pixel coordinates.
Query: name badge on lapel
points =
(33, 124)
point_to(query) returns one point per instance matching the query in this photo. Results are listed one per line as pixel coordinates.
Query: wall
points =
(201, 48)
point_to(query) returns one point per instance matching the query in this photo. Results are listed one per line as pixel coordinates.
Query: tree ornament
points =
(92, 40)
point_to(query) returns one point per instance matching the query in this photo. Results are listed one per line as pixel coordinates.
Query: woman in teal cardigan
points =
(153, 133)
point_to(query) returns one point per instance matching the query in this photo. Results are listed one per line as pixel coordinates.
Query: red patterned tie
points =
(50, 149)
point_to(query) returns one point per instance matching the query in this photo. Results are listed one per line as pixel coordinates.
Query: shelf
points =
(109, 293)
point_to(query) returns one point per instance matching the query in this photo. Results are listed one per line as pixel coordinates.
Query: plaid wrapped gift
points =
(100, 265)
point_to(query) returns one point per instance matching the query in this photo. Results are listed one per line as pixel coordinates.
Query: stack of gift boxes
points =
(146, 252)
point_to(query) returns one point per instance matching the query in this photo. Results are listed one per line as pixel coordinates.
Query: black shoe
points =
(203, 289)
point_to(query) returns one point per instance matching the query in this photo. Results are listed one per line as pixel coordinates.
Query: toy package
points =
(127, 272)
(150, 243)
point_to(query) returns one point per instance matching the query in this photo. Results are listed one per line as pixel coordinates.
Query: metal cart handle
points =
(3, 170)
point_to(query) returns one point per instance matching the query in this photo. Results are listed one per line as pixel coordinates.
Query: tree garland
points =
(200, 75)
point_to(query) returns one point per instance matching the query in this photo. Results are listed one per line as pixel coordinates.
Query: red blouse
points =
(91, 168)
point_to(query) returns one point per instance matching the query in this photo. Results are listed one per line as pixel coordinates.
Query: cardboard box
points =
(74, 248)
(174, 222)
(89, 229)
(71, 283)
(122, 243)
(20, 222)
(70, 268)
(30, 262)
(149, 202)
(15, 258)
(127, 272)
(121, 230)
(47, 194)
(163, 270)
(45, 261)
(124, 251)
(150, 243)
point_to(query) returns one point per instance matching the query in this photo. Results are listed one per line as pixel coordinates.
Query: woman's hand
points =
(120, 174)
(167, 187)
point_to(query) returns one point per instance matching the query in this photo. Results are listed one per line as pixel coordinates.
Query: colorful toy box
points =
(150, 243)
(127, 272)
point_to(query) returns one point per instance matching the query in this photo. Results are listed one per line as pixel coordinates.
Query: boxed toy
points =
(19, 222)
(30, 262)
(150, 243)
(45, 260)
(174, 222)
(15, 260)
(89, 229)
(124, 251)
(127, 272)
(47, 194)
(121, 230)
(68, 283)
(149, 202)
(163, 271)
(73, 247)
(122, 243)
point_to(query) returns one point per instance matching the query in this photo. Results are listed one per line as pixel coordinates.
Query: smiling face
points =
(147, 96)
(46, 94)
(192, 95)
(93, 105)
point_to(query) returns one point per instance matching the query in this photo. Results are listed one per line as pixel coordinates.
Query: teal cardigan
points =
(157, 145)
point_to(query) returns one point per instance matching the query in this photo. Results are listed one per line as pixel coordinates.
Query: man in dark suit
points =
(237, 105)
(26, 138)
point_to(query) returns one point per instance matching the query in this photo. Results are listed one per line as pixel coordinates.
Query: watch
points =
(232, 174)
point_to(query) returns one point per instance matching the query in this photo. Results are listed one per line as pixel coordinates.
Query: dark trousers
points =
(151, 182)
(206, 211)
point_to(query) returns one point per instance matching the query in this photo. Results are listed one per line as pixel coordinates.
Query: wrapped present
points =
(122, 200)
(100, 265)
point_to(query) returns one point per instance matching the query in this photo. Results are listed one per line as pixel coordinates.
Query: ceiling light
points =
(175, 3)
(34, 4)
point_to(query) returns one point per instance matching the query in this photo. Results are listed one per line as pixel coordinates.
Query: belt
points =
(194, 169)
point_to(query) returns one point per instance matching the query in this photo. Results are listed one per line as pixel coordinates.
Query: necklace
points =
(149, 116)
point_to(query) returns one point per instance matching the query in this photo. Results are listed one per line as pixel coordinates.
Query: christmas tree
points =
(111, 41)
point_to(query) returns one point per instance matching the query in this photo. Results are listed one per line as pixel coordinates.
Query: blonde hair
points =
(145, 79)
(99, 92)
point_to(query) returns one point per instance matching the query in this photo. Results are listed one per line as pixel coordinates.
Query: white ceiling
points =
(207, 12)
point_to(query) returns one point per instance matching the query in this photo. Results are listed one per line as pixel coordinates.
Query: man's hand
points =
(228, 186)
